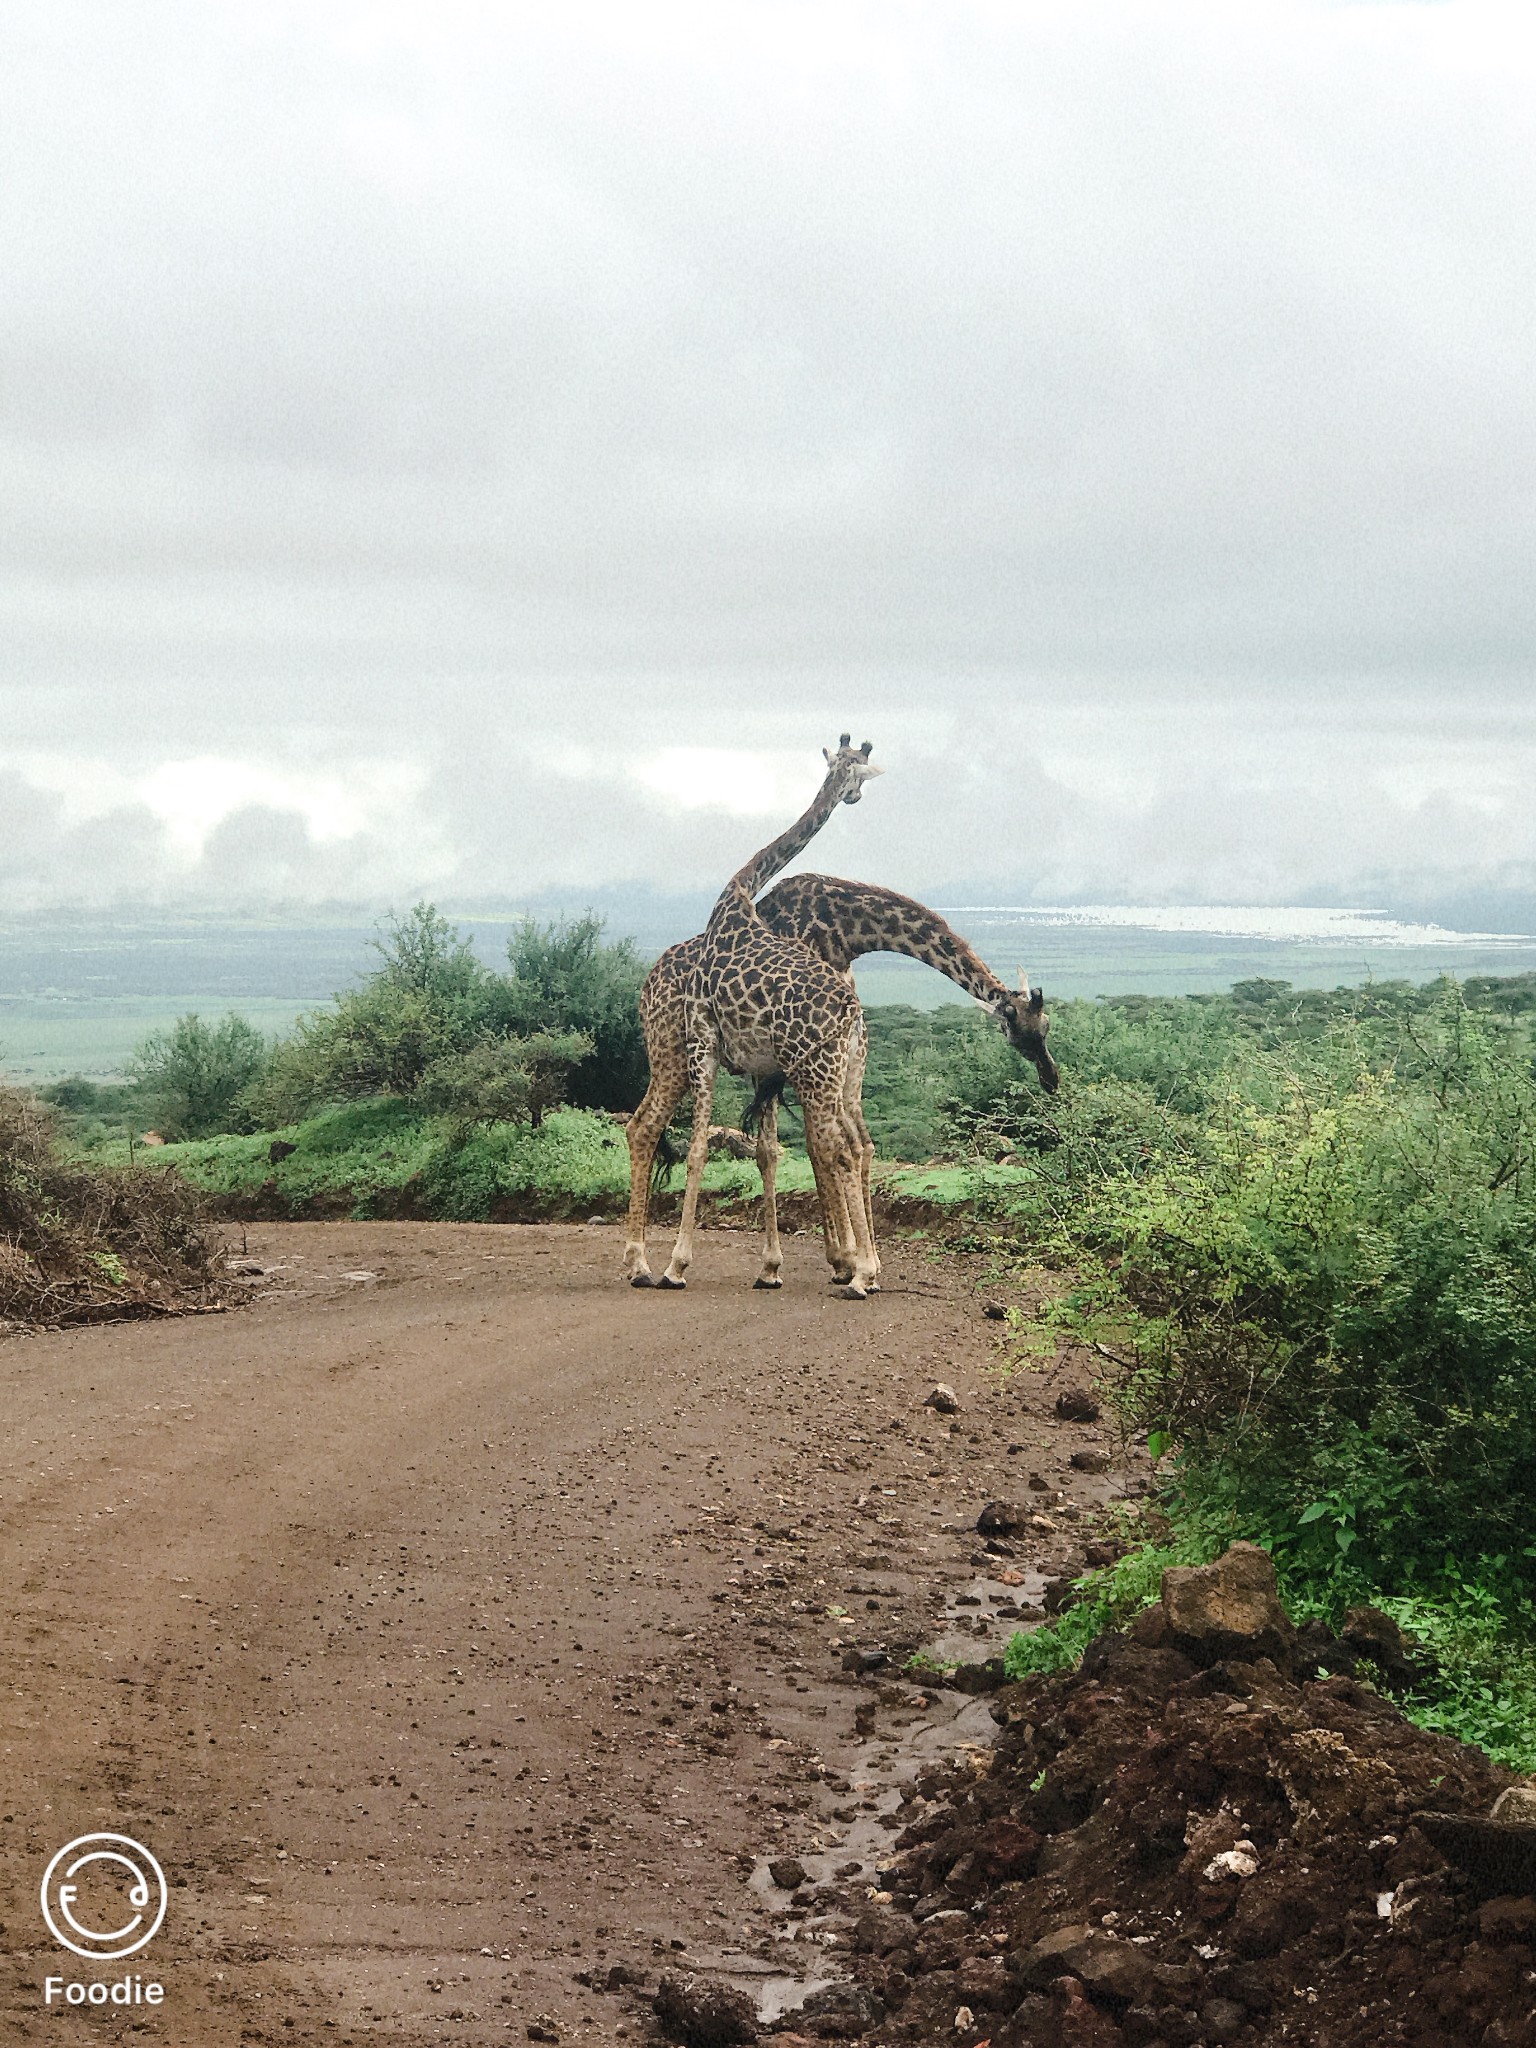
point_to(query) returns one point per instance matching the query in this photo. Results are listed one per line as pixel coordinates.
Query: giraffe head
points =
(1025, 1025)
(851, 765)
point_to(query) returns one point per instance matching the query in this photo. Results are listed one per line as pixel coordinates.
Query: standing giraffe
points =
(840, 922)
(763, 1005)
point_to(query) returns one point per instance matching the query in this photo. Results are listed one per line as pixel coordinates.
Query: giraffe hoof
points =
(852, 1293)
(642, 1280)
(763, 1281)
(667, 1281)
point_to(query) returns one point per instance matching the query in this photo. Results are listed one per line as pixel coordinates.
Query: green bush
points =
(433, 1016)
(193, 1079)
(502, 1080)
(565, 978)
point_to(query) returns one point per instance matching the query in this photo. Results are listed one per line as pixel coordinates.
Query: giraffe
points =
(840, 922)
(762, 1004)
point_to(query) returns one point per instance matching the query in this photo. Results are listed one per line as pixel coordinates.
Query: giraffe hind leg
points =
(702, 1080)
(768, 1167)
(644, 1132)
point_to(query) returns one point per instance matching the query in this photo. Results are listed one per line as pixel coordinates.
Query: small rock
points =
(1100, 1556)
(704, 2015)
(1229, 1609)
(1038, 1483)
(1515, 1802)
(944, 1399)
(1113, 1970)
(978, 1678)
(840, 2011)
(1007, 1849)
(279, 1150)
(995, 1312)
(1509, 1918)
(1076, 1404)
(1058, 1594)
(965, 2019)
(596, 1219)
(1090, 1461)
(999, 1518)
(1223, 2018)
(1369, 1633)
(1241, 1860)
(787, 1872)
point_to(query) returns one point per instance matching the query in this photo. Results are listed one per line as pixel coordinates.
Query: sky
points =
(488, 450)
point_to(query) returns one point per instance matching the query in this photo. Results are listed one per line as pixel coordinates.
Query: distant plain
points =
(76, 995)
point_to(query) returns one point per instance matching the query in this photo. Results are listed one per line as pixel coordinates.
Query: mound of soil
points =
(81, 1244)
(1172, 1846)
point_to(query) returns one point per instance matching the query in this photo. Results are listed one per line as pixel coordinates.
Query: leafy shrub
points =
(565, 977)
(503, 1080)
(193, 1079)
(433, 1016)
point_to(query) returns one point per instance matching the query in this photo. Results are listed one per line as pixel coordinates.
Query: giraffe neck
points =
(736, 897)
(842, 921)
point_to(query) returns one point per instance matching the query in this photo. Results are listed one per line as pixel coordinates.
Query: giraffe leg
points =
(643, 1131)
(702, 1066)
(834, 1140)
(768, 1154)
(837, 1238)
(853, 1106)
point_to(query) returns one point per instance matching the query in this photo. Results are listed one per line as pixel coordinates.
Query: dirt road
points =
(453, 1622)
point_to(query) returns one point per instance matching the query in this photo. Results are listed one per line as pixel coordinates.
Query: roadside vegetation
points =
(1300, 1227)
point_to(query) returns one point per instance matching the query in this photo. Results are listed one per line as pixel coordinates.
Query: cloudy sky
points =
(487, 449)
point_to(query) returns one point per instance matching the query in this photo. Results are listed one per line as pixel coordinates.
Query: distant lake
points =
(76, 995)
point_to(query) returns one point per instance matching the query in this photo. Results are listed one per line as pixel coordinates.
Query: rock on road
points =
(432, 1616)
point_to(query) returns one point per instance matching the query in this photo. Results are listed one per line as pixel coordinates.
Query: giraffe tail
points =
(667, 1156)
(769, 1090)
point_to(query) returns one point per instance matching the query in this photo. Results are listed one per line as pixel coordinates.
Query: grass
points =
(373, 1158)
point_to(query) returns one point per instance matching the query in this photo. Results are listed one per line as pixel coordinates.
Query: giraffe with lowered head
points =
(840, 922)
(763, 1004)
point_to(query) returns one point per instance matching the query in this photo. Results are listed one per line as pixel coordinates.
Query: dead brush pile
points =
(87, 1244)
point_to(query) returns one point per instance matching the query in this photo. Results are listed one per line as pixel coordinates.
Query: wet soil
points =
(466, 1632)
(1157, 1853)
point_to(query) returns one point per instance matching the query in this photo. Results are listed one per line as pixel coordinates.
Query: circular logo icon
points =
(103, 1896)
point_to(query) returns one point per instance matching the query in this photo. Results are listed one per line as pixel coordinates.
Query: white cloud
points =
(507, 444)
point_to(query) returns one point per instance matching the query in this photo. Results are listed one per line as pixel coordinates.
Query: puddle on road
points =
(947, 1728)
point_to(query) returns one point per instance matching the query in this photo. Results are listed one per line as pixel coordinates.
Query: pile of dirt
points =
(85, 1244)
(1190, 1840)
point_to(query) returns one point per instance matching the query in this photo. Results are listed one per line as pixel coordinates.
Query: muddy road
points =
(453, 1622)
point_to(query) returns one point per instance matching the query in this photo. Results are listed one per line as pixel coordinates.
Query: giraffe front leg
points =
(835, 1235)
(844, 1204)
(702, 1079)
(768, 1156)
(644, 1132)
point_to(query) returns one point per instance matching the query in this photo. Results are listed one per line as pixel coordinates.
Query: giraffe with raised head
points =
(840, 922)
(762, 1004)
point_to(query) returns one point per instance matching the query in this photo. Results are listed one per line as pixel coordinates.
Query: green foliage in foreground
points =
(1480, 1684)
(1317, 1261)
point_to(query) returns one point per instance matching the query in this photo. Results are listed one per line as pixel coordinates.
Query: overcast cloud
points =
(487, 449)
